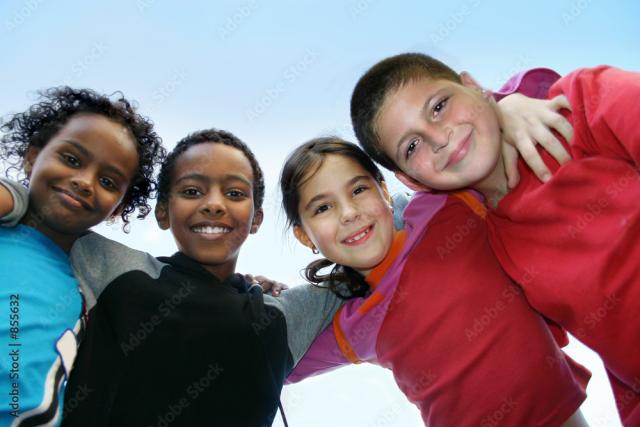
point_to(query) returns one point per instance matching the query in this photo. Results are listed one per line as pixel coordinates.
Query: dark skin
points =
(210, 210)
(79, 178)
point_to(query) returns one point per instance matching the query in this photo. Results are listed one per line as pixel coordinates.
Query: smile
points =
(359, 237)
(71, 200)
(209, 230)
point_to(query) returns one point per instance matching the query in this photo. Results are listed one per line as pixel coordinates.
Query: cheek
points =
(320, 233)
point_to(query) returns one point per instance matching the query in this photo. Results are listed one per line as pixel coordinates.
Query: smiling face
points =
(210, 208)
(441, 135)
(346, 214)
(79, 177)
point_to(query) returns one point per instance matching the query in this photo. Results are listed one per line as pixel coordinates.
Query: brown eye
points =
(70, 159)
(191, 192)
(439, 107)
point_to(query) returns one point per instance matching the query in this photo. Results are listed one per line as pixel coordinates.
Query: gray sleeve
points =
(400, 202)
(20, 196)
(98, 261)
(308, 310)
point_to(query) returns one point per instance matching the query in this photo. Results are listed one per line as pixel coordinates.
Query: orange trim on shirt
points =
(372, 300)
(375, 276)
(472, 201)
(343, 342)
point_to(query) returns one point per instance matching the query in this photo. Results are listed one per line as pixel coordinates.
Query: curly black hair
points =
(38, 124)
(215, 136)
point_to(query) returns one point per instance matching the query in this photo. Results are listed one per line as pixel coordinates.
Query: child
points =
(462, 343)
(86, 158)
(570, 242)
(183, 340)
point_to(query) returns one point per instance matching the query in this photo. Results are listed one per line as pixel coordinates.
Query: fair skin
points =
(79, 178)
(345, 214)
(335, 205)
(443, 136)
(210, 210)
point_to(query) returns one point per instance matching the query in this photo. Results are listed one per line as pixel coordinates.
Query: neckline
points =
(375, 276)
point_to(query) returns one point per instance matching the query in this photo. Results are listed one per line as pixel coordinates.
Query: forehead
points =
(335, 170)
(89, 125)
(411, 95)
(213, 160)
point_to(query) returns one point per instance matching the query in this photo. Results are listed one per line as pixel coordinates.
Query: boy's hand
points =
(6, 201)
(527, 122)
(267, 285)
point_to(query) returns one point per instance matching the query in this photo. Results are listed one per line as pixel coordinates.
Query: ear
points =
(411, 183)
(29, 159)
(162, 215)
(471, 83)
(258, 217)
(303, 237)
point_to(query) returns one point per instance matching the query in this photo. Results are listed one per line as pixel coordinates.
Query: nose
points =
(213, 204)
(349, 213)
(439, 138)
(81, 183)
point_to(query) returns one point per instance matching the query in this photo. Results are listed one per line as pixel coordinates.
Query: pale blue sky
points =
(280, 72)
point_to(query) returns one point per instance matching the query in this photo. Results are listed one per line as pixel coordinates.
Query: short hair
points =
(377, 83)
(38, 124)
(214, 136)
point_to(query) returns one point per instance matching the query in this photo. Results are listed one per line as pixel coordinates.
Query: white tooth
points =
(211, 230)
(358, 237)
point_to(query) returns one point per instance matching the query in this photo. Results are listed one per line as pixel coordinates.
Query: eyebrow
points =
(348, 184)
(88, 154)
(207, 179)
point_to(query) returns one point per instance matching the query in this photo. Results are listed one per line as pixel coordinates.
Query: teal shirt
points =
(40, 308)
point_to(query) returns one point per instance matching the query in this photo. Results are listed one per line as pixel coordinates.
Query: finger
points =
(532, 158)
(510, 160)
(550, 143)
(560, 102)
(249, 278)
(560, 124)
